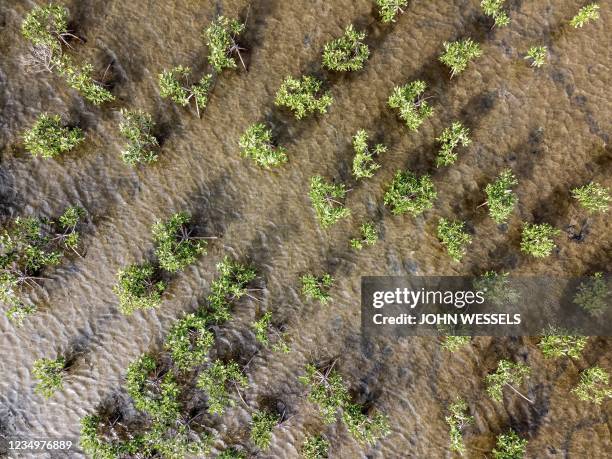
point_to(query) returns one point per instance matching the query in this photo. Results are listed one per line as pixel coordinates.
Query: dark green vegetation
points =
(389, 9)
(256, 143)
(175, 84)
(325, 201)
(368, 236)
(508, 374)
(137, 288)
(221, 41)
(48, 138)
(450, 138)
(364, 165)
(557, 343)
(537, 239)
(413, 108)
(457, 420)
(347, 53)
(496, 288)
(317, 288)
(231, 285)
(215, 380)
(593, 295)
(501, 200)
(50, 375)
(315, 447)
(175, 247)
(509, 446)
(137, 126)
(452, 235)
(457, 55)
(266, 333)
(594, 386)
(189, 341)
(262, 424)
(303, 97)
(593, 197)
(410, 193)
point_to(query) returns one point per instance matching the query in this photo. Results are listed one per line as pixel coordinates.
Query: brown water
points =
(551, 126)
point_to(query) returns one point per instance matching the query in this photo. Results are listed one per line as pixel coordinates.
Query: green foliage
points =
(315, 447)
(452, 235)
(458, 54)
(388, 9)
(585, 15)
(221, 41)
(175, 84)
(364, 165)
(537, 54)
(496, 288)
(594, 386)
(493, 8)
(262, 424)
(50, 375)
(303, 97)
(409, 193)
(232, 453)
(537, 240)
(80, 77)
(592, 295)
(507, 374)
(256, 143)
(509, 446)
(413, 109)
(136, 289)
(327, 391)
(174, 246)
(169, 442)
(365, 429)
(189, 341)
(317, 288)
(46, 26)
(347, 53)
(369, 236)
(137, 126)
(324, 197)
(48, 138)
(216, 379)
(457, 420)
(593, 197)
(500, 197)
(451, 137)
(231, 285)
(556, 343)
(94, 445)
(453, 343)
(263, 328)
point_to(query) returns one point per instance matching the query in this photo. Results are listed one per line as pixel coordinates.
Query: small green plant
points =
(175, 84)
(453, 343)
(369, 236)
(537, 54)
(47, 26)
(315, 447)
(556, 343)
(451, 137)
(585, 15)
(264, 329)
(364, 165)
(454, 237)
(256, 143)
(317, 288)
(262, 423)
(457, 420)
(48, 138)
(509, 446)
(325, 201)
(216, 379)
(413, 108)
(594, 386)
(593, 197)
(303, 97)
(232, 453)
(458, 54)
(174, 246)
(508, 374)
(592, 295)
(221, 41)
(537, 239)
(80, 78)
(496, 288)
(389, 9)
(365, 429)
(137, 126)
(500, 197)
(231, 285)
(493, 8)
(409, 193)
(347, 53)
(326, 390)
(50, 375)
(189, 341)
(136, 288)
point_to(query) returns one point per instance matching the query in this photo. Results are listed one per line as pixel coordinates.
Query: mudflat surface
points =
(551, 126)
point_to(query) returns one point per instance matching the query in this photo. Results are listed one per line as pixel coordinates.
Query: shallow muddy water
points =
(550, 125)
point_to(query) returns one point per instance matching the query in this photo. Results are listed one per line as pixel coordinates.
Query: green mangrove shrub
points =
(262, 423)
(175, 84)
(501, 200)
(367, 430)
(508, 374)
(410, 193)
(453, 343)
(326, 390)
(593, 196)
(265, 332)
(214, 382)
(303, 96)
(80, 77)
(452, 235)
(317, 288)
(537, 54)
(368, 236)
(47, 26)
(325, 201)
(493, 8)
(450, 138)
(413, 109)
(458, 54)
(48, 138)
(592, 294)
(315, 447)
(585, 15)
(50, 375)
(189, 341)
(232, 453)
(175, 247)
(256, 143)
(364, 165)
(221, 37)
(556, 343)
(347, 53)
(509, 446)
(496, 288)
(230, 286)
(137, 289)
(137, 127)
(537, 239)
(594, 386)
(457, 420)
(389, 9)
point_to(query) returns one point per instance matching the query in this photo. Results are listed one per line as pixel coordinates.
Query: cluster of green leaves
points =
(263, 328)
(93, 444)
(256, 143)
(262, 423)
(175, 84)
(594, 386)
(451, 137)
(232, 453)
(364, 165)
(592, 295)
(215, 381)
(137, 126)
(500, 197)
(231, 285)
(537, 239)
(80, 77)
(410, 193)
(189, 341)
(48, 138)
(453, 343)
(509, 446)
(507, 374)
(556, 343)
(594, 197)
(369, 236)
(50, 375)
(365, 429)
(315, 447)
(457, 420)
(537, 54)
(389, 9)
(413, 109)
(347, 53)
(493, 8)
(585, 15)
(325, 201)
(496, 288)
(454, 237)
(459, 53)
(221, 41)
(303, 97)
(136, 288)
(175, 248)
(317, 288)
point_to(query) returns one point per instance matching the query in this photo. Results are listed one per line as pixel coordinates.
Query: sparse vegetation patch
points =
(347, 53)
